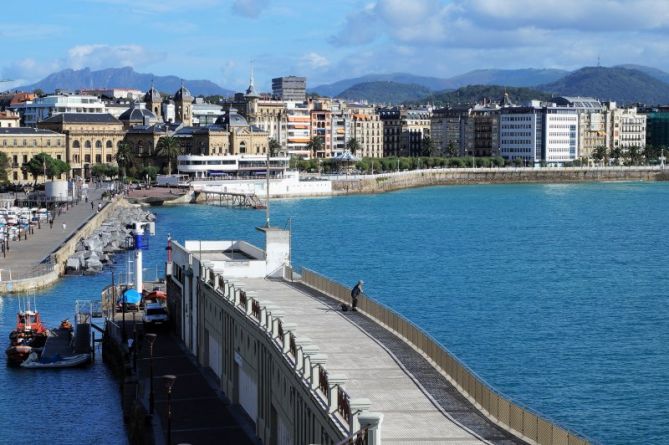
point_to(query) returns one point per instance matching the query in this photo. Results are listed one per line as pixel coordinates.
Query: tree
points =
(353, 146)
(315, 145)
(634, 155)
(451, 149)
(616, 153)
(428, 147)
(44, 165)
(600, 153)
(123, 157)
(38, 92)
(274, 147)
(104, 171)
(4, 167)
(169, 148)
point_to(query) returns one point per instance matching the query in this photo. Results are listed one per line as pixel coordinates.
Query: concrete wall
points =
(60, 255)
(452, 176)
(253, 370)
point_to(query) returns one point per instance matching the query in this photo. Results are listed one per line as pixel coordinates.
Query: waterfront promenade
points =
(25, 256)
(418, 403)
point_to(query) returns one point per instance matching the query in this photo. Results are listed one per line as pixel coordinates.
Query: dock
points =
(232, 199)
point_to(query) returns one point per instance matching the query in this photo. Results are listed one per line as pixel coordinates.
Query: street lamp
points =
(169, 382)
(151, 338)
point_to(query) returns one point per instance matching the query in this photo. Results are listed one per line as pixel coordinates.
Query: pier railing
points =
(304, 357)
(501, 410)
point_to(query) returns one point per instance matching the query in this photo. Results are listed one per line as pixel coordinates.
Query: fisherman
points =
(355, 293)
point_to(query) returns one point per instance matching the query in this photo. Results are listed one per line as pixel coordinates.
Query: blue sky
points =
(326, 40)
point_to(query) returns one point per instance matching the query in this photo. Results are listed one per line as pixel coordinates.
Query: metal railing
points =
(38, 270)
(500, 409)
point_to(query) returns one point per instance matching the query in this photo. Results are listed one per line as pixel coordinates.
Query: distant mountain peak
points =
(122, 77)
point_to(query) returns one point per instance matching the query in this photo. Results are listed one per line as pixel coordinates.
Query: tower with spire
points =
(183, 103)
(154, 101)
(251, 98)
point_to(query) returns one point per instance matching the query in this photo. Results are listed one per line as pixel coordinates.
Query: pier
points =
(278, 345)
(232, 199)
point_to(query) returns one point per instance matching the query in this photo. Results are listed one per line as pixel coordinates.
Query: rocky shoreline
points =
(94, 251)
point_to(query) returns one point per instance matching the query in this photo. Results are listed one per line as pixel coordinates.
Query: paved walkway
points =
(201, 415)
(25, 255)
(420, 407)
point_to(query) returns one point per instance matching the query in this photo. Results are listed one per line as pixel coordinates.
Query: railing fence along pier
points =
(360, 427)
(501, 410)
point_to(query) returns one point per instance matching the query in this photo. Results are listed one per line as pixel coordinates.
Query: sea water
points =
(556, 295)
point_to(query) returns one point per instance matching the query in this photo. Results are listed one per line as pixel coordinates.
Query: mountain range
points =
(624, 83)
(125, 77)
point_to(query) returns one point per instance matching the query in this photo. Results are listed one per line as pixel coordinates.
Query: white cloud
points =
(314, 60)
(104, 56)
(249, 8)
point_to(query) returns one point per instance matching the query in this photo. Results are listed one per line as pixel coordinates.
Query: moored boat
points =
(28, 336)
(34, 361)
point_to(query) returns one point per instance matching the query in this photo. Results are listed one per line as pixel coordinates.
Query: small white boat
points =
(33, 361)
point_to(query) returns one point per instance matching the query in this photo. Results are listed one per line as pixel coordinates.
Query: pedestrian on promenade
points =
(51, 224)
(64, 227)
(92, 205)
(86, 198)
(355, 293)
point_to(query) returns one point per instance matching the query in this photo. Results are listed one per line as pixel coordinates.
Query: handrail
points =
(501, 409)
(342, 415)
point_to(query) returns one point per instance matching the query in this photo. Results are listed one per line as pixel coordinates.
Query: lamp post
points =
(151, 338)
(169, 382)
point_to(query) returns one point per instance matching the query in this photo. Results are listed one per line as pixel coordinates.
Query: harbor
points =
(309, 235)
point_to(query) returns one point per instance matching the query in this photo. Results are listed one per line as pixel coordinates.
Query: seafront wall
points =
(55, 262)
(454, 176)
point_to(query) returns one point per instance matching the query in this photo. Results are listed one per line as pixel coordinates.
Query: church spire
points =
(251, 90)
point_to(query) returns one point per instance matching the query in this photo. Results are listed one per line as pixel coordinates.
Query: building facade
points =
(43, 108)
(290, 88)
(9, 119)
(20, 144)
(415, 126)
(367, 129)
(447, 128)
(392, 130)
(627, 127)
(91, 138)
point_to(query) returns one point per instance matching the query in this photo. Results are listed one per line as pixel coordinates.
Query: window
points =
(87, 158)
(242, 147)
(98, 159)
(109, 144)
(76, 144)
(98, 144)
(109, 158)
(87, 144)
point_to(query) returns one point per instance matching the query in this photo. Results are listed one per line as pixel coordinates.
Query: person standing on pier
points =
(355, 293)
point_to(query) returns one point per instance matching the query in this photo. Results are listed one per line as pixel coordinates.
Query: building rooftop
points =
(28, 131)
(84, 118)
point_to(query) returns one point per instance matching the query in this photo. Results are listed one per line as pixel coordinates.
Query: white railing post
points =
(317, 361)
(288, 329)
(371, 421)
(357, 406)
(334, 382)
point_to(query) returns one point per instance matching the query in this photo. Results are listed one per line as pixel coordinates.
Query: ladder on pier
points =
(233, 199)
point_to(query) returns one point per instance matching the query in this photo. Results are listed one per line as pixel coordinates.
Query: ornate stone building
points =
(154, 102)
(183, 102)
(91, 138)
(22, 143)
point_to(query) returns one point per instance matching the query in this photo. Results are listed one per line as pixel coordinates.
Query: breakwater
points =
(458, 176)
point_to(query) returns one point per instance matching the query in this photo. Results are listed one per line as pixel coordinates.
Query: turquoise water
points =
(555, 294)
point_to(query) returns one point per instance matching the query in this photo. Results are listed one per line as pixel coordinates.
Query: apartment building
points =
(298, 126)
(367, 130)
(627, 127)
(43, 108)
(447, 128)
(541, 133)
(290, 88)
(592, 125)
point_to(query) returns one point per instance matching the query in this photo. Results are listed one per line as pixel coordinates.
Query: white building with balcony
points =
(42, 108)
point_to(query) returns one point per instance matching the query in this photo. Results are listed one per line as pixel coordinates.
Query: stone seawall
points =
(60, 255)
(423, 178)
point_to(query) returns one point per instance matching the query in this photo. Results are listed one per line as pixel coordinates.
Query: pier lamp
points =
(169, 379)
(150, 338)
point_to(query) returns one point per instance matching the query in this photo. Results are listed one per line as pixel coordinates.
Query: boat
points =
(28, 336)
(35, 361)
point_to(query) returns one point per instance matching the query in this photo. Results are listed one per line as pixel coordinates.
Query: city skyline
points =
(218, 39)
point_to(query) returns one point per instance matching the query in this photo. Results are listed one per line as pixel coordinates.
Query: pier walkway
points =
(419, 405)
(25, 256)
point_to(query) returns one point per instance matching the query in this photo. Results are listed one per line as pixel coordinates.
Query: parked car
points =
(155, 316)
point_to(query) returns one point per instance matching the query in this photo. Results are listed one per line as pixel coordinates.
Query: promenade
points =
(419, 405)
(25, 256)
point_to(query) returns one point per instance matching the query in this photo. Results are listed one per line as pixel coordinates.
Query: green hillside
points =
(382, 92)
(619, 84)
(472, 94)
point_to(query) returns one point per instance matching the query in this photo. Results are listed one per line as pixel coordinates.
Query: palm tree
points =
(123, 157)
(274, 147)
(315, 145)
(428, 146)
(170, 148)
(353, 145)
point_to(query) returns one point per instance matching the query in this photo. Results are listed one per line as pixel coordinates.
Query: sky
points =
(325, 40)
